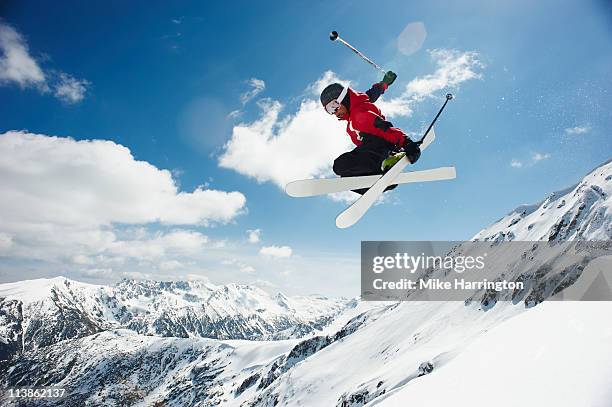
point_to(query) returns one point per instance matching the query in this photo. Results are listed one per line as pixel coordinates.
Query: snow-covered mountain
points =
(581, 212)
(39, 313)
(463, 353)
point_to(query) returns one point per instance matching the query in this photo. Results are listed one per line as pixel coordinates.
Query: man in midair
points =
(375, 138)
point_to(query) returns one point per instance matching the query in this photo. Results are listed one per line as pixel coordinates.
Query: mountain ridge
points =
(582, 212)
(38, 313)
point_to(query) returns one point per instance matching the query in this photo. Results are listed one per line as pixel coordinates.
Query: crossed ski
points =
(321, 186)
(376, 184)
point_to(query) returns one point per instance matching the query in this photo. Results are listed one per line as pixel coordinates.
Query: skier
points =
(376, 140)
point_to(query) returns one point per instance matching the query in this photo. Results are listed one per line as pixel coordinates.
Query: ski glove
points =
(412, 150)
(389, 78)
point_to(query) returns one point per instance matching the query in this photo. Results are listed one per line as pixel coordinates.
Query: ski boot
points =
(388, 163)
(391, 161)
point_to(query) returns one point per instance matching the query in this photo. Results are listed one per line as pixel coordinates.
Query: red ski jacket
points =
(365, 117)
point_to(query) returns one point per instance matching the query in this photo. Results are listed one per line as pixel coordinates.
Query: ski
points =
(353, 213)
(322, 186)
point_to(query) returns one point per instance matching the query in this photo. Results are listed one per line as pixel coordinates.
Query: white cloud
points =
(81, 205)
(535, 158)
(396, 107)
(516, 163)
(539, 157)
(257, 86)
(134, 275)
(234, 114)
(97, 182)
(69, 89)
(82, 259)
(347, 197)
(453, 68)
(159, 245)
(276, 251)
(16, 64)
(264, 284)
(170, 265)
(202, 206)
(247, 269)
(577, 130)
(273, 148)
(239, 265)
(254, 235)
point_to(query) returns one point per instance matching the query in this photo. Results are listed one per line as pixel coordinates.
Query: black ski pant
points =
(365, 159)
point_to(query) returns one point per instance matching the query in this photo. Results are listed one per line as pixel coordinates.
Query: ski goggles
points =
(333, 106)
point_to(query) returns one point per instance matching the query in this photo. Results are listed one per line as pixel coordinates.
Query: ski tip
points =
(340, 225)
(432, 134)
(343, 222)
(299, 189)
(290, 190)
(429, 138)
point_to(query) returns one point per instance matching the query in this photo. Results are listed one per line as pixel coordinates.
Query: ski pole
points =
(334, 36)
(449, 96)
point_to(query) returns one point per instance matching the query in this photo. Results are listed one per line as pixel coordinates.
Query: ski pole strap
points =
(449, 96)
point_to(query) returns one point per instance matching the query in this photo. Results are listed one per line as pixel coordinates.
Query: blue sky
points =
(531, 116)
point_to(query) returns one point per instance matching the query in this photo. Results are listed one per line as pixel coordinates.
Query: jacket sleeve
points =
(371, 123)
(376, 90)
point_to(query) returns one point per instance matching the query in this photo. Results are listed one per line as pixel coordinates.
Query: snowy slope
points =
(389, 349)
(566, 360)
(582, 212)
(393, 351)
